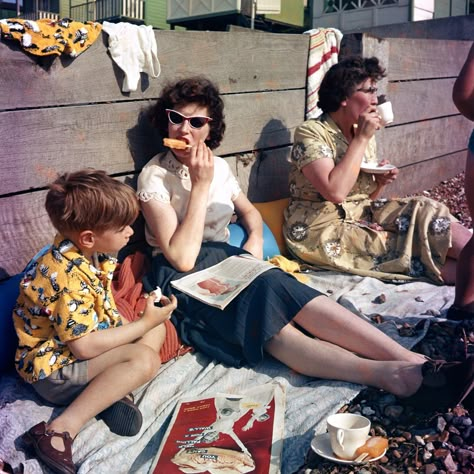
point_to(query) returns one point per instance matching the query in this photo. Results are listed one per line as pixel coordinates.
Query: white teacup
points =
(386, 112)
(347, 432)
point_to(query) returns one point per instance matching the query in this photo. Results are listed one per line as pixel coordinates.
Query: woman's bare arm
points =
(335, 182)
(252, 223)
(463, 90)
(181, 242)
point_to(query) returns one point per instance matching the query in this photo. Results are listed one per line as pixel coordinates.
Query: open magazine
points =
(220, 284)
(225, 434)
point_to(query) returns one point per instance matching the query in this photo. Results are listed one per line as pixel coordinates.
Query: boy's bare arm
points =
(463, 90)
(97, 342)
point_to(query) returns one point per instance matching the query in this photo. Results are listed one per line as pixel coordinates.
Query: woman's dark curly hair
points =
(196, 90)
(341, 80)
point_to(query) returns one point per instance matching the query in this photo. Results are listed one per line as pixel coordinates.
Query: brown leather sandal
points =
(123, 417)
(444, 385)
(40, 439)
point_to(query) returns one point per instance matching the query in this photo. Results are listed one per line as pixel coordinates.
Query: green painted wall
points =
(156, 13)
(292, 13)
(445, 8)
(7, 13)
(64, 11)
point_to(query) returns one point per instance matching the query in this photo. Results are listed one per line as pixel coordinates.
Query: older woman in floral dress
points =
(334, 219)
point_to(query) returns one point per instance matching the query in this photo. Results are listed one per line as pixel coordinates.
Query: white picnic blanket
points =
(309, 401)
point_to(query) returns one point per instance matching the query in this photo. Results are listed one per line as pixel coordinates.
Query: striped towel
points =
(324, 45)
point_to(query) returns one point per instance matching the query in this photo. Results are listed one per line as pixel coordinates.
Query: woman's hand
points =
(383, 179)
(201, 165)
(369, 121)
(388, 177)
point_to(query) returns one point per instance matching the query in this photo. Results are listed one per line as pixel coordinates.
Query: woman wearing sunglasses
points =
(188, 197)
(334, 219)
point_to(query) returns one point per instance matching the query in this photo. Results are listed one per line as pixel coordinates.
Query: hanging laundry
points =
(45, 37)
(134, 50)
(324, 47)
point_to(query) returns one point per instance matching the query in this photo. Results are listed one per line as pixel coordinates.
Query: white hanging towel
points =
(134, 50)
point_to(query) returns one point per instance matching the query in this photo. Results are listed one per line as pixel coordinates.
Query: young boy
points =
(74, 348)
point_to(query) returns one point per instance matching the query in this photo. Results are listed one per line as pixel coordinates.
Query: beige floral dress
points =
(415, 235)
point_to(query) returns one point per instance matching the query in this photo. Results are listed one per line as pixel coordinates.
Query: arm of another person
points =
(252, 223)
(335, 181)
(97, 342)
(181, 242)
(463, 90)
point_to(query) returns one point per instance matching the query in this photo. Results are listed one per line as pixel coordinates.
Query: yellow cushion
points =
(272, 214)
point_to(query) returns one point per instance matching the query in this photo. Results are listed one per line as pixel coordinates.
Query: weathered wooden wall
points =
(63, 114)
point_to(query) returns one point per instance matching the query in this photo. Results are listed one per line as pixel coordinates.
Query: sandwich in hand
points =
(176, 144)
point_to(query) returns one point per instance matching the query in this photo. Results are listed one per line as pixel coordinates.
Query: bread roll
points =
(374, 447)
(176, 144)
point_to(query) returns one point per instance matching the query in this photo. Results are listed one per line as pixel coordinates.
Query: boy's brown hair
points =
(90, 200)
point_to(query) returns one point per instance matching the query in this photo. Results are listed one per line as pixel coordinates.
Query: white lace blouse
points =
(167, 180)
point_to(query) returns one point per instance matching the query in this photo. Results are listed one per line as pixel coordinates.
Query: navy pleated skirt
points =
(237, 334)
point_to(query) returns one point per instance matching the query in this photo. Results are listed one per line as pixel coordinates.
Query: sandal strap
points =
(40, 437)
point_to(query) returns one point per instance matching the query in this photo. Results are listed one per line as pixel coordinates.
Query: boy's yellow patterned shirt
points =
(63, 296)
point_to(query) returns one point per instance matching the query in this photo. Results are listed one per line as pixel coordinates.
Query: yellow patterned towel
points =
(289, 266)
(45, 37)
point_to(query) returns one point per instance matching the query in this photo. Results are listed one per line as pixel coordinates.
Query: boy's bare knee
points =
(146, 361)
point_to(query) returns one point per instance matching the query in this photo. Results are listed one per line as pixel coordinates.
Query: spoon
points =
(361, 457)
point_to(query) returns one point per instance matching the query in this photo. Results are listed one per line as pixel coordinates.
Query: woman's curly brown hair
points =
(341, 80)
(196, 90)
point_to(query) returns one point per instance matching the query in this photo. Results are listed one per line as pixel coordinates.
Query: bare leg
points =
(154, 338)
(465, 269)
(449, 271)
(460, 236)
(329, 321)
(308, 356)
(113, 375)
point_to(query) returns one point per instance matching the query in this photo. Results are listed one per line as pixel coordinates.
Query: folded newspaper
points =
(220, 284)
(225, 434)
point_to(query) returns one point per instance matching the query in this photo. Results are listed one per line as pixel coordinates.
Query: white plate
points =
(321, 445)
(375, 169)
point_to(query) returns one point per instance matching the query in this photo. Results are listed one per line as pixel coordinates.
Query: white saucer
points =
(375, 169)
(321, 445)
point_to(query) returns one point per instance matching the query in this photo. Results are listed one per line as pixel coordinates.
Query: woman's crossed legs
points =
(346, 348)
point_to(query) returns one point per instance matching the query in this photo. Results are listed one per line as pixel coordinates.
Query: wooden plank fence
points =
(63, 114)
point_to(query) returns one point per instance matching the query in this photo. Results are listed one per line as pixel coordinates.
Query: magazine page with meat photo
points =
(225, 434)
(220, 284)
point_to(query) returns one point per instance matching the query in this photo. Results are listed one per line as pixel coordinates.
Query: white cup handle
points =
(340, 438)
